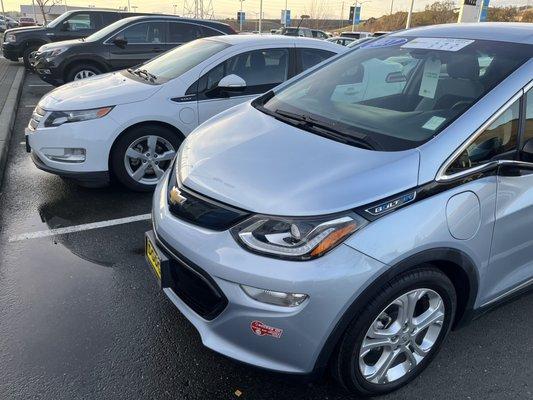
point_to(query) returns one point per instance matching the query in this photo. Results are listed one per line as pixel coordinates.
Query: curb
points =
(7, 118)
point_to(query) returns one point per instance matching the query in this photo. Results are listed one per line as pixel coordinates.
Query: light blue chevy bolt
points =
(354, 215)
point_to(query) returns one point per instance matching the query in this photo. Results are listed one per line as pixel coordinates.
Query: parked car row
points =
(291, 176)
(7, 23)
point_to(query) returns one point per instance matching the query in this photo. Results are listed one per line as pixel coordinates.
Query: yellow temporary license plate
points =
(153, 258)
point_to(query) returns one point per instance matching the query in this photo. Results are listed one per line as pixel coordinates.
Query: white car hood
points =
(99, 91)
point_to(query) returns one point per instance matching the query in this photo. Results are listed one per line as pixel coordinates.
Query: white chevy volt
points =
(128, 125)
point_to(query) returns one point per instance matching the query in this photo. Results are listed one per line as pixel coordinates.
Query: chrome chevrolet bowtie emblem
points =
(176, 196)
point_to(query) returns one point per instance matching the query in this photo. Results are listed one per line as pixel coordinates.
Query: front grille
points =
(193, 285)
(36, 118)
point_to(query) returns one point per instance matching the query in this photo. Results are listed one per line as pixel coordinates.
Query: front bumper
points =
(48, 71)
(11, 51)
(332, 283)
(96, 137)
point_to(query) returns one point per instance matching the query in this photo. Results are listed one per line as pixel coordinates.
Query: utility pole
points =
(342, 15)
(240, 19)
(391, 5)
(34, 12)
(175, 6)
(260, 16)
(3, 12)
(410, 15)
(129, 6)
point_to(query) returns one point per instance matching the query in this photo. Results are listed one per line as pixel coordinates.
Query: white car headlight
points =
(302, 238)
(10, 38)
(57, 118)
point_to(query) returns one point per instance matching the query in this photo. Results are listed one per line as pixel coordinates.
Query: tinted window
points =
(109, 18)
(259, 68)
(180, 32)
(144, 32)
(312, 57)
(498, 141)
(400, 92)
(83, 21)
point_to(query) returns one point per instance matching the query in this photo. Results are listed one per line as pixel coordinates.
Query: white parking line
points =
(30, 105)
(45, 85)
(78, 228)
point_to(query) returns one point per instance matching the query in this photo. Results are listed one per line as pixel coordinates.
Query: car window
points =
(311, 57)
(498, 141)
(400, 92)
(180, 32)
(528, 132)
(82, 21)
(144, 32)
(260, 69)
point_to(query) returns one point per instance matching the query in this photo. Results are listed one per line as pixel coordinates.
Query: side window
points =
(145, 32)
(81, 21)
(260, 69)
(528, 132)
(312, 57)
(499, 141)
(180, 32)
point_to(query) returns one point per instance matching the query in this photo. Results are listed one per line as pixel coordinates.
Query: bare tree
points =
(317, 10)
(45, 6)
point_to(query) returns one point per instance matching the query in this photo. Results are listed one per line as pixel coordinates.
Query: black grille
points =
(200, 210)
(193, 285)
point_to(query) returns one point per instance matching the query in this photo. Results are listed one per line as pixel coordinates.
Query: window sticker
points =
(433, 123)
(385, 42)
(443, 44)
(430, 78)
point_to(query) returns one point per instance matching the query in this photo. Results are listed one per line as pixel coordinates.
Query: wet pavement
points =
(81, 316)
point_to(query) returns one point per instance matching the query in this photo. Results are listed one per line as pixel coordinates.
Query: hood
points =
(57, 45)
(25, 29)
(250, 160)
(100, 91)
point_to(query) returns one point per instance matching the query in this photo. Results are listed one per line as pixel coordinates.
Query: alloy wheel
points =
(401, 336)
(83, 74)
(147, 159)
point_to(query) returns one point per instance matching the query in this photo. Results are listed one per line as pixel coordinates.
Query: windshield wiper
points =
(143, 74)
(322, 128)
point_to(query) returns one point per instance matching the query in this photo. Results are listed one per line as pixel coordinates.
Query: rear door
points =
(261, 69)
(137, 43)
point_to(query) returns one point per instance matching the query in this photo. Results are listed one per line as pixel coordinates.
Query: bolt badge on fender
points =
(261, 329)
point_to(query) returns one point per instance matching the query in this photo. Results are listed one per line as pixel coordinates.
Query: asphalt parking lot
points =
(81, 316)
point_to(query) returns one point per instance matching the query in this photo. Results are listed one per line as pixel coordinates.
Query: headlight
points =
(51, 53)
(57, 118)
(296, 238)
(11, 38)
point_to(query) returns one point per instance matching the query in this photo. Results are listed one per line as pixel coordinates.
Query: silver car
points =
(356, 214)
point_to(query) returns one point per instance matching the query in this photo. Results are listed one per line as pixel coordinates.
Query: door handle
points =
(157, 49)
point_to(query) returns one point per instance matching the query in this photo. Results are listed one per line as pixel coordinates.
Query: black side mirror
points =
(120, 42)
(65, 26)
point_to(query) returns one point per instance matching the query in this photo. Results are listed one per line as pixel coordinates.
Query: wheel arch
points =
(81, 61)
(136, 125)
(455, 264)
(34, 42)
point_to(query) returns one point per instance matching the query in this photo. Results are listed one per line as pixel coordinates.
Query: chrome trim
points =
(159, 20)
(523, 285)
(441, 174)
(528, 86)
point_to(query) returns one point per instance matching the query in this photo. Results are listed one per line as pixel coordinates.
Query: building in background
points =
(52, 12)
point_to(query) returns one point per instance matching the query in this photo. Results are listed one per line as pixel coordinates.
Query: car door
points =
(261, 69)
(137, 43)
(511, 263)
(78, 25)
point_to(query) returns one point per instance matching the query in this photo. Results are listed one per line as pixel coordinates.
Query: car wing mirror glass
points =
(120, 42)
(232, 83)
(65, 26)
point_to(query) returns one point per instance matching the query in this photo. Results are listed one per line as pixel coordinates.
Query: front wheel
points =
(28, 57)
(143, 154)
(397, 334)
(81, 71)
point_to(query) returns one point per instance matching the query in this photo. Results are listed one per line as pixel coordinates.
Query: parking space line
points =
(79, 228)
(39, 85)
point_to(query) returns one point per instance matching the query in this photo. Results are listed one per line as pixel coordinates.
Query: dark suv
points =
(21, 42)
(123, 44)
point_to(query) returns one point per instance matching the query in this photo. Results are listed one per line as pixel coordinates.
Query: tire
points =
(124, 167)
(350, 360)
(79, 69)
(26, 57)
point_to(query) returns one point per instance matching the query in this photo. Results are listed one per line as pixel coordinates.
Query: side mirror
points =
(120, 42)
(65, 26)
(527, 150)
(232, 83)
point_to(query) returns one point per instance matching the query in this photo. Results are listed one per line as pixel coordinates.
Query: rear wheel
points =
(397, 334)
(143, 154)
(83, 71)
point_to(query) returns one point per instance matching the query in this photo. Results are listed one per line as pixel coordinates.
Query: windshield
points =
(396, 93)
(176, 62)
(104, 32)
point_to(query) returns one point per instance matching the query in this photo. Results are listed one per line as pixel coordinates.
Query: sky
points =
(271, 8)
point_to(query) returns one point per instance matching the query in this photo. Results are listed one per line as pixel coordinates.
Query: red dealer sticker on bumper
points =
(261, 329)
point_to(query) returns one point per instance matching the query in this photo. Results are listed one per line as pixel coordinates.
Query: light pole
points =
(134, 8)
(175, 6)
(240, 19)
(3, 12)
(129, 5)
(260, 16)
(391, 6)
(355, 11)
(410, 15)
